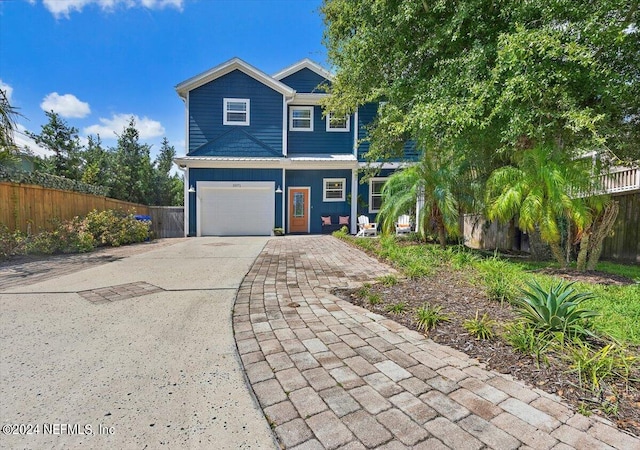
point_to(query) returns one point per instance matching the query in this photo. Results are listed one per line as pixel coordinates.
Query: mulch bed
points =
(460, 300)
(590, 276)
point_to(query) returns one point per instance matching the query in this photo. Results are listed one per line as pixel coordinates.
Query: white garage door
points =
(235, 208)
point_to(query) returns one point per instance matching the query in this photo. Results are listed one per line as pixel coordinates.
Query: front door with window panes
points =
(298, 210)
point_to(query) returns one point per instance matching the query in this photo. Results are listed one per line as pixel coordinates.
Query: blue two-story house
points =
(261, 154)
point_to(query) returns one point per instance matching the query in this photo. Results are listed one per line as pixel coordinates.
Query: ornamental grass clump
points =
(481, 327)
(594, 366)
(558, 309)
(397, 308)
(427, 317)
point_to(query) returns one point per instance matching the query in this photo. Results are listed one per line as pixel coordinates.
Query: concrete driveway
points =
(135, 353)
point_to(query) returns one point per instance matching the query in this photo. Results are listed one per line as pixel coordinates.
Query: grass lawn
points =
(467, 300)
(502, 279)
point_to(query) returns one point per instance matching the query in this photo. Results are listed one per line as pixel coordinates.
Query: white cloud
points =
(8, 90)
(148, 128)
(66, 105)
(64, 7)
(22, 140)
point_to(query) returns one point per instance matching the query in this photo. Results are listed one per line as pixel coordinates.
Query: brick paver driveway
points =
(329, 374)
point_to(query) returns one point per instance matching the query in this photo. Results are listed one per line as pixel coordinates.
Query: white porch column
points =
(354, 200)
(285, 199)
(186, 202)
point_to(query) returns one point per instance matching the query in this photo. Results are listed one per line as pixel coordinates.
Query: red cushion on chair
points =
(343, 220)
(326, 220)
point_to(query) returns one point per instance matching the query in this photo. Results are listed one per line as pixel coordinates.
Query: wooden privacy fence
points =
(624, 244)
(167, 221)
(27, 207)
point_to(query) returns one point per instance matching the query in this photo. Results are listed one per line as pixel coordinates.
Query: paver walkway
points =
(329, 374)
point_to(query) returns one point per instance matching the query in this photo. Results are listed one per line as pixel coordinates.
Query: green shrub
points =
(363, 291)
(557, 309)
(51, 181)
(525, 339)
(342, 232)
(374, 298)
(397, 308)
(115, 229)
(480, 328)
(595, 366)
(388, 280)
(500, 278)
(11, 242)
(461, 258)
(427, 317)
(77, 235)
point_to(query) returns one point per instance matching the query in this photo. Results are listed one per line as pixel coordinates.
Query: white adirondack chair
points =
(403, 225)
(366, 228)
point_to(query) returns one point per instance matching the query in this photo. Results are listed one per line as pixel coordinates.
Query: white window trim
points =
(226, 101)
(338, 130)
(371, 181)
(334, 180)
(306, 108)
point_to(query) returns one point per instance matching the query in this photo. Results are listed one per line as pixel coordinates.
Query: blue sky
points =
(97, 62)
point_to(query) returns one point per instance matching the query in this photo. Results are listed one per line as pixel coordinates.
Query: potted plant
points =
(278, 231)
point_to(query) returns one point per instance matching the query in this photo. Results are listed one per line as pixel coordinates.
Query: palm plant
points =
(557, 309)
(8, 114)
(538, 190)
(438, 181)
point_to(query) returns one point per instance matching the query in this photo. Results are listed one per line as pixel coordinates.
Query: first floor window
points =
(301, 118)
(337, 123)
(333, 189)
(236, 111)
(375, 194)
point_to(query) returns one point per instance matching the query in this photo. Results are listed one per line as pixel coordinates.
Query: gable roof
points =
(305, 63)
(227, 67)
(236, 142)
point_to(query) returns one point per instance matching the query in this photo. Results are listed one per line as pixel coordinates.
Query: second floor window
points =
(236, 111)
(301, 118)
(337, 123)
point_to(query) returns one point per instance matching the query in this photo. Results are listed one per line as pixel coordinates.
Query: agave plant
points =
(557, 309)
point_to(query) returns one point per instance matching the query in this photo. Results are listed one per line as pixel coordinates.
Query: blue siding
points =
(366, 115)
(196, 175)
(305, 80)
(205, 112)
(313, 179)
(319, 140)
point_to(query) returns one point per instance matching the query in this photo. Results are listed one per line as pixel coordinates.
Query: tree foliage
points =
(490, 78)
(132, 166)
(499, 85)
(126, 170)
(443, 190)
(167, 188)
(8, 147)
(63, 140)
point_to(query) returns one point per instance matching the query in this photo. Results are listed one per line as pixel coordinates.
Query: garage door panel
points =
(236, 211)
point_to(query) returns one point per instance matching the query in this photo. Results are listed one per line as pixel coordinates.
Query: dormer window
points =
(337, 123)
(301, 118)
(236, 111)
